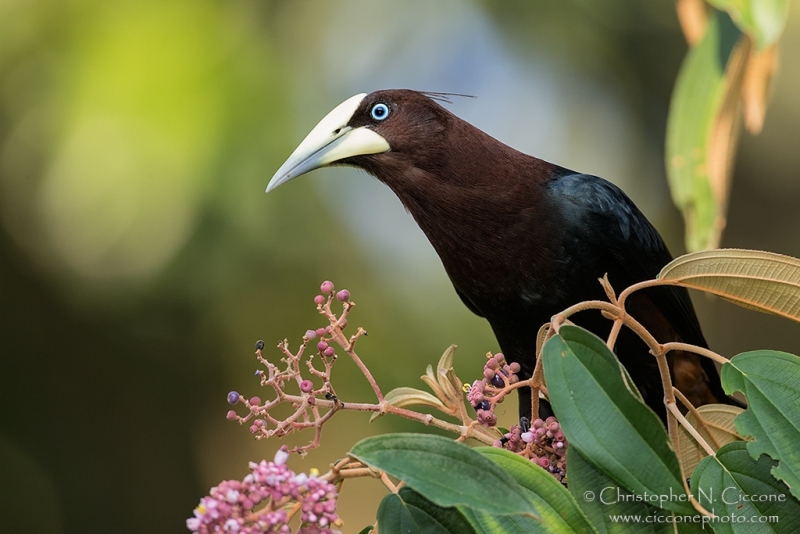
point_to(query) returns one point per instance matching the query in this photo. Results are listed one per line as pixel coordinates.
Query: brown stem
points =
(685, 347)
(697, 415)
(690, 429)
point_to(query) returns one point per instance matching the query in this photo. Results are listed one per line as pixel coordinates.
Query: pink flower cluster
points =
(484, 394)
(229, 508)
(544, 443)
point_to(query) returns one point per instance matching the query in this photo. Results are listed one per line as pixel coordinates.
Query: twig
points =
(696, 414)
(690, 429)
(685, 347)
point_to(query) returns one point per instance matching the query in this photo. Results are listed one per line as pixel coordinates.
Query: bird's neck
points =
(475, 202)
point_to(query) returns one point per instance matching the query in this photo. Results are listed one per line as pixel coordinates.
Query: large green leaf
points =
(592, 397)
(611, 509)
(757, 280)
(555, 507)
(770, 380)
(763, 20)
(407, 512)
(702, 130)
(445, 472)
(486, 523)
(743, 494)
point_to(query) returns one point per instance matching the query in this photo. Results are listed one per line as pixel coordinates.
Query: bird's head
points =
(373, 131)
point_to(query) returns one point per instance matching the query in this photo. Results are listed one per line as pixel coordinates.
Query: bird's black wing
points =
(624, 243)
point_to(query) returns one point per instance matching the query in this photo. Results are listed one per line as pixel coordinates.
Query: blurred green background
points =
(140, 258)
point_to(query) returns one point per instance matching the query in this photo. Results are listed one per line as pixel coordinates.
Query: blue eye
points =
(379, 112)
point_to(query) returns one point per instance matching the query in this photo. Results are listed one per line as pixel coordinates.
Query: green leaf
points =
(770, 380)
(603, 419)
(743, 494)
(763, 20)
(485, 523)
(757, 280)
(554, 505)
(611, 509)
(702, 129)
(367, 529)
(408, 513)
(445, 472)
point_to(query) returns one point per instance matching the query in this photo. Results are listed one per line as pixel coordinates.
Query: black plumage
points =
(520, 238)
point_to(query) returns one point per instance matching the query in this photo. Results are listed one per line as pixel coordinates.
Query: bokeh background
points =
(140, 258)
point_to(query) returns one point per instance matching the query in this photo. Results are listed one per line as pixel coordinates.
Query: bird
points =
(521, 239)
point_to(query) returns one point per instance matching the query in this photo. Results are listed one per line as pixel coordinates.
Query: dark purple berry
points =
(497, 381)
(233, 397)
(259, 345)
(483, 405)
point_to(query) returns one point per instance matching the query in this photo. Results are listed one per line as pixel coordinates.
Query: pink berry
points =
(488, 373)
(255, 401)
(343, 295)
(319, 300)
(231, 415)
(320, 332)
(253, 429)
(330, 351)
(310, 334)
(322, 345)
(326, 287)
(543, 462)
(514, 367)
(306, 386)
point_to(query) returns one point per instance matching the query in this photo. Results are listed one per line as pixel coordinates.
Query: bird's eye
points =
(379, 111)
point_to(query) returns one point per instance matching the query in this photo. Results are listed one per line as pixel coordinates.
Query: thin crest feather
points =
(444, 97)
